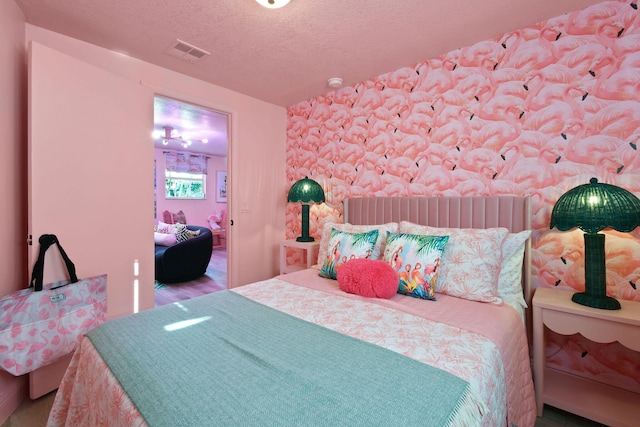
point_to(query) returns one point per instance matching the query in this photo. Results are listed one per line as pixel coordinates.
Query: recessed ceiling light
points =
(273, 4)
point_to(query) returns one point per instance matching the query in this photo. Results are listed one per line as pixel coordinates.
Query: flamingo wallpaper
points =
(533, 112)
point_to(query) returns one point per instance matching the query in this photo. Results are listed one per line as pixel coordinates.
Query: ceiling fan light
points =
(273, 4)
(167, 132)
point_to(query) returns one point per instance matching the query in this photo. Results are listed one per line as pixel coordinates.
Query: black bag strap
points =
(46, 240)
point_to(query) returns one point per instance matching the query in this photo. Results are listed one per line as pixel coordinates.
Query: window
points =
(185, 185)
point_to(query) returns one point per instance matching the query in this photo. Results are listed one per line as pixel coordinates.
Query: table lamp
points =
(305, 191)
(593, 207)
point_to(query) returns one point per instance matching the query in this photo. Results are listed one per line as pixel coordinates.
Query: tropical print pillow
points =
(344, 246)
(417, 259)
(378, 249)
(471, 262)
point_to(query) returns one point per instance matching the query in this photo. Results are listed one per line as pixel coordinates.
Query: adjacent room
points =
(190, 191)
(299, 211)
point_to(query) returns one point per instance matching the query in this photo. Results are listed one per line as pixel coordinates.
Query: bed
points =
(298, 350)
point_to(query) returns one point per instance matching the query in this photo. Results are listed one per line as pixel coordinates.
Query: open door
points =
(91, 173)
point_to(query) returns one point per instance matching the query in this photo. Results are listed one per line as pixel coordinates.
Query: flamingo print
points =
(37, 346)
(532, 112)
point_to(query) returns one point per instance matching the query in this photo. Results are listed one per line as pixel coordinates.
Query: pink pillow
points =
(168, 217)
(368, 278)
(179, 218)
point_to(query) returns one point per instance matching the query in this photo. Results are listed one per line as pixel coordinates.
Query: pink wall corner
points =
(13, 122)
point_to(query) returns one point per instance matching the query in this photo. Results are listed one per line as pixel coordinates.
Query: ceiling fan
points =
(170, 136)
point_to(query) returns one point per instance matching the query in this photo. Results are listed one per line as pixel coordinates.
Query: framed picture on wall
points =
(221, 186)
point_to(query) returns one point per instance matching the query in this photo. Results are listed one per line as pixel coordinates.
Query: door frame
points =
(200, 103)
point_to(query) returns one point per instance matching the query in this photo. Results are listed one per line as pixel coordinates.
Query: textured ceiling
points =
(191, 126)
(284, 56)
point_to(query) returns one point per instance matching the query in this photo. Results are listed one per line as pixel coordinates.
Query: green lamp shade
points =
(593, 207)
(305, 191)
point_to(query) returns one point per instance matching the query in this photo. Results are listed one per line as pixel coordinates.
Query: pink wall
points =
(256, 151)
(196, 211)
(534, 112)
(256, 158)
(13, 122)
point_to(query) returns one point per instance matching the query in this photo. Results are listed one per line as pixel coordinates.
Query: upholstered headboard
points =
(511, 212)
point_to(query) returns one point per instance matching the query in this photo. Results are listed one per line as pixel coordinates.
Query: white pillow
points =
(164, 239)
(163, 227)
(378, 249)
(510, 280)
(471, 260)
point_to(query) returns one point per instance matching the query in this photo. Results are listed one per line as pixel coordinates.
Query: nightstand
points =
(311, 255)
(603, 403)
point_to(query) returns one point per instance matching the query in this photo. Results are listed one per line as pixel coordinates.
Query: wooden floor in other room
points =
(214, 279)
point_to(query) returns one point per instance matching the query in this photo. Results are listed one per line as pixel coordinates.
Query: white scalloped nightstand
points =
(311, 255)
(609, 405)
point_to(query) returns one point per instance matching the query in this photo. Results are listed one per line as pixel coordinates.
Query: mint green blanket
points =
(223, 359)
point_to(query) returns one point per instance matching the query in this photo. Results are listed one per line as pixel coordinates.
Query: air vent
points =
(185, 51)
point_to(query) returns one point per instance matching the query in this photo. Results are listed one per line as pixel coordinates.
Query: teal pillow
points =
(344, 246)
(416, 258)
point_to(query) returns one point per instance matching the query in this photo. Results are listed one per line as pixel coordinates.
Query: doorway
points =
(186, 129)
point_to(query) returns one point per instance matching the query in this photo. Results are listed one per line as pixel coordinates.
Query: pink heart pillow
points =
(368, 278)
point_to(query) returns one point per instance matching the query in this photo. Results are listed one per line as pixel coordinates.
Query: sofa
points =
(186, 260)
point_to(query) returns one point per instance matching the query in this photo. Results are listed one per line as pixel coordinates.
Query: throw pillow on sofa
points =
(174, 218)
(179, 218)
(164, 228)
(164, 239)
(182, 233)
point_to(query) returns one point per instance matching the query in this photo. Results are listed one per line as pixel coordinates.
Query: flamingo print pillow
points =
(344, 246)
(471, 261)
(417, 259)
(378, 249)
